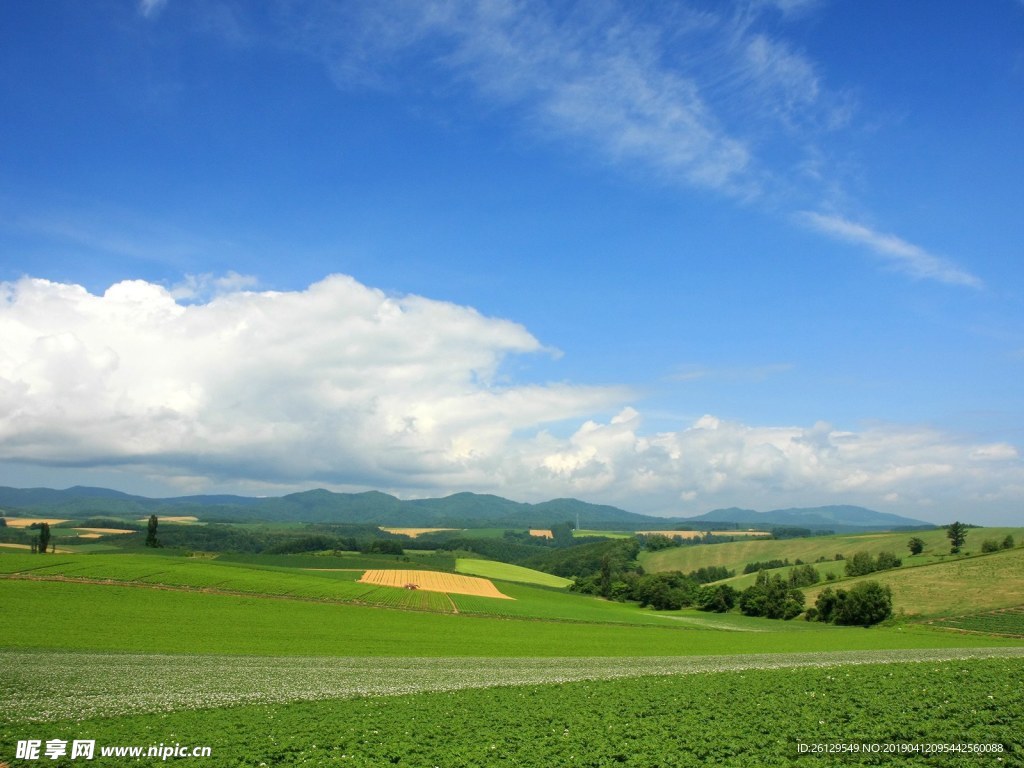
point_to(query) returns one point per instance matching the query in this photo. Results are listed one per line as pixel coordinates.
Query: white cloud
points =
(345, 386)
(901, 255)
(672, 92)
(151, 8)
(335, 382)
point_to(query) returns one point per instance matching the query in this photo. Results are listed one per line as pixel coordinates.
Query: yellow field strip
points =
(414, 532)
(541, 533)
(434, 581)
(27, 547)
(100, 531)
(25, 522)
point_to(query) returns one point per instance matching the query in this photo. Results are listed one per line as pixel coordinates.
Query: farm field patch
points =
(433, 581)
(109, 684)
(412, 533)
(97, 617)
(736, 717)
(491, 569)
(104, 531)
(698, 534)
(1009, 622)
(25, 522)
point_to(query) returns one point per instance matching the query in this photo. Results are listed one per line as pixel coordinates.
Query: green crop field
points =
(268, 663)
(954, 711)
(1008, 621)
(489, 569)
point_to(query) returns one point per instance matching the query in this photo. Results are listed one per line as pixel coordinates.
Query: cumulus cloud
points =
(338, 382)
(343, 385)
(713, 462)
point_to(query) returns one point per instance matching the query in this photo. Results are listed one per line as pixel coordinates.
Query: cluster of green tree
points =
(604, 560)
(102, 522)
(991, 545)
(710, 573)
(217, 537)
(863, 604)
(957, 534)
(862, 563)
(610, 570)
(719, 598)
(766, 565)
(795, 532)
(803, 576)
(771, 597)
(666, 591)
(653, 542)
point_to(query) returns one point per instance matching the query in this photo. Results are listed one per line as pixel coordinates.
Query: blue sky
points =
(668, 256)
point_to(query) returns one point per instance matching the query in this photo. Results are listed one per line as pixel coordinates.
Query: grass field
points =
(734, 555)
(972, 584)
(491, 569)
(269, 663)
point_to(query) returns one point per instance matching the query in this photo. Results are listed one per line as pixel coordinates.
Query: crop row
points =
(733, 718)
(1007, 622)
(105, 684)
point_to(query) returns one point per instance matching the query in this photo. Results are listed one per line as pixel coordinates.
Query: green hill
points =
(951, 588)
(835, 518)
(735, 555)
(460, 510)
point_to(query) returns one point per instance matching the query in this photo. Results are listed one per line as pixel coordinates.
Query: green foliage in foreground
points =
(116, 618)
(754, 717)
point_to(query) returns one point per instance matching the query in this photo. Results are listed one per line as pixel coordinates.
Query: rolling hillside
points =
(734, 555)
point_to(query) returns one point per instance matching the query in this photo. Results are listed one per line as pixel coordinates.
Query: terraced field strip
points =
(433, 581)
(113, 684)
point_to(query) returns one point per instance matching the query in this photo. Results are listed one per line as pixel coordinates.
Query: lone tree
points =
(957, 533)
(151, 540)
(916, 545)
(44, 537)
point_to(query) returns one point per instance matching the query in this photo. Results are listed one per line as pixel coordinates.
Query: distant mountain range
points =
(840, 518)
(460, 510)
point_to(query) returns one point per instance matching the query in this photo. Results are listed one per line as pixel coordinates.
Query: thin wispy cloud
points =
(714, 100)
(898, 253)
(151, 8)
